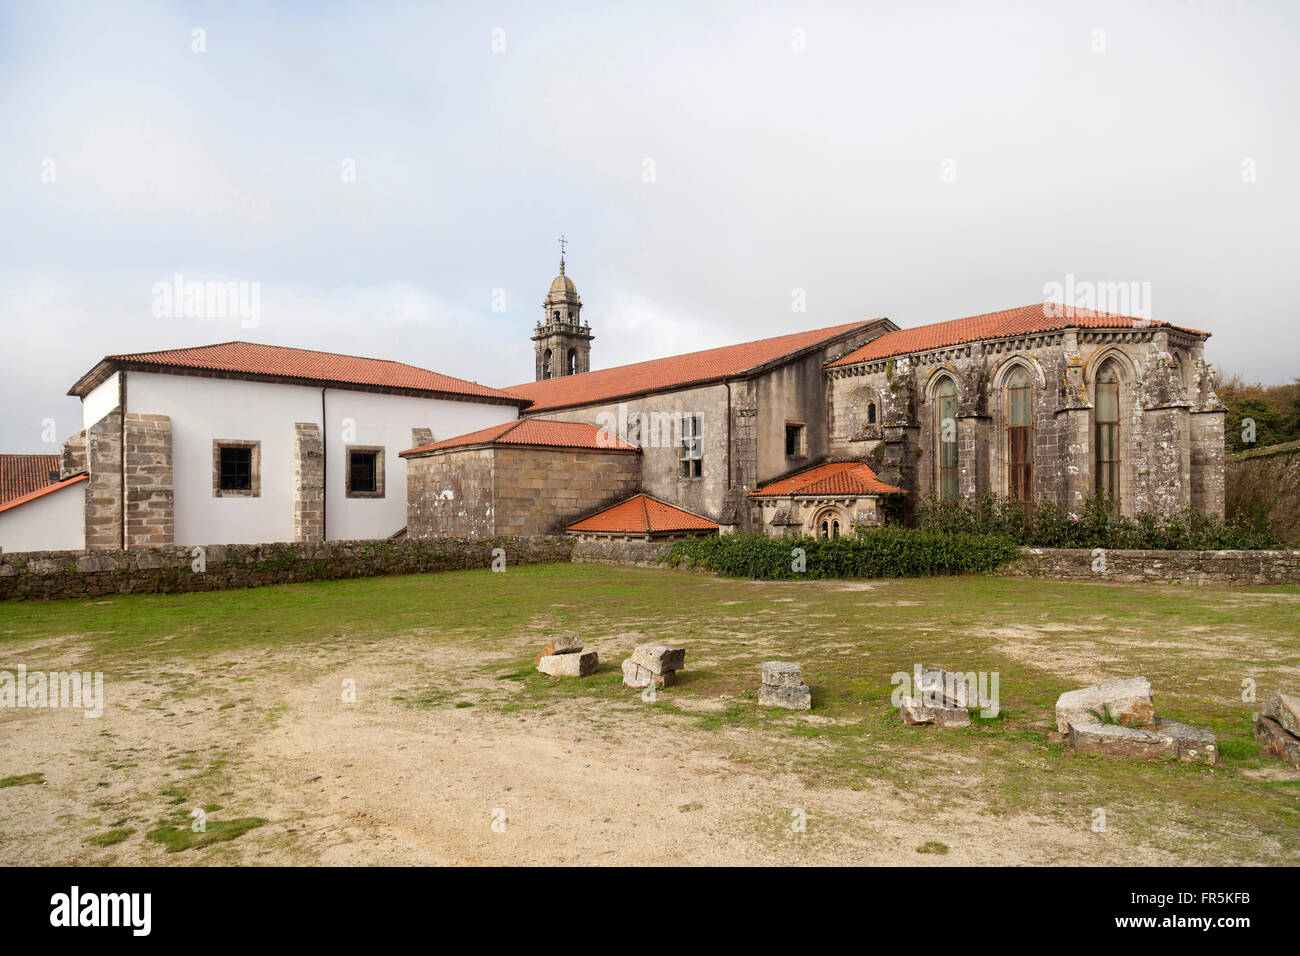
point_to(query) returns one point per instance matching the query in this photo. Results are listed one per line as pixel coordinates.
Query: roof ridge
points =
(292, 348)
(717, 348)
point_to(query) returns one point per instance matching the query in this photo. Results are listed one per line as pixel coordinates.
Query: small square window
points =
(794, 440)
(236, 469)
(365, 472)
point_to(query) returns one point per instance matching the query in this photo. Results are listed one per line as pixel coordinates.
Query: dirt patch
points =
(386, 781)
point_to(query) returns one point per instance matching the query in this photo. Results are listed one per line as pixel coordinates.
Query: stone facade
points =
(53, 575)
(742, 431)
(805, 515)
(308, 483)
(484, 491)
(130, 495)
(72, 456)
(885, 412)
(104, 489)
(147, 467)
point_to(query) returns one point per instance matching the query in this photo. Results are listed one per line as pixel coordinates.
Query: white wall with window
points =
(207, 412)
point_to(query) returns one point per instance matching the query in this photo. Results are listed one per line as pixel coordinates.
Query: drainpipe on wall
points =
(324, 473)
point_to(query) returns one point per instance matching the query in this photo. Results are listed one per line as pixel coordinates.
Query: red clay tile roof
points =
(677, 370)
(836, 478)
(532, 431)
(642, 514)
(42, 492)
(21, 474)
(305, 365)
(1039, 317)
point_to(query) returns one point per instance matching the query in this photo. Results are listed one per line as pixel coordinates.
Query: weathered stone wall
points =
(72, 456)
(83, 574)
(104, 489)
(1172, 567)
(634, 551)
(1170, 418)
(450, 495)
(308, 483)
(150, 498)
(505, 490)
(659, 416)
(543, 490)
(1265, 483)
(743, 430)
(785, 517)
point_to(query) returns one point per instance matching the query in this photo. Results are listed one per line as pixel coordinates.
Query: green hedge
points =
(870, 553)
(1098, 526)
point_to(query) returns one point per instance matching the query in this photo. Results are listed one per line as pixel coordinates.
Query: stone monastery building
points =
(813, 432)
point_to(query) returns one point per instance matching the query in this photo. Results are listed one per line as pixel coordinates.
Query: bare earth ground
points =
(449, 734)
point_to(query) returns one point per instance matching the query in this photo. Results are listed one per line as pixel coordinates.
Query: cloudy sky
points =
(392, 174)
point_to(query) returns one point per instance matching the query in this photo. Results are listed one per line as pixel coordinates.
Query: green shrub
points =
(1097, 526)
(887, 552)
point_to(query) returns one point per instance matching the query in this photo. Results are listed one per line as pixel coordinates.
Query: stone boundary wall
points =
(88, 574)
(640, 553)
(1170, 567)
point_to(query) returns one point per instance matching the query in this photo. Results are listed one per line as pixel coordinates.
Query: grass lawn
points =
(1196, 645)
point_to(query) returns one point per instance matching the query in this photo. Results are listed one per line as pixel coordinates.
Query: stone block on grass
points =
(1285, 709)
(1276, 740)
(559, 645)
(1115, 740)
(782, 674)
(1128, 702)
(634, 675)
(916, 711)
(658, 658)
(1195, 744)
(789, 696)
(580, 664)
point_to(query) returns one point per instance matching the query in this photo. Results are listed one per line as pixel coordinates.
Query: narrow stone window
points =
(546, 362)
(794, 439)
(236, 468)
(1020, 461)
(692, 447)
(1107, 433)
(573, 361)
(946, 433)
(871, 413)
(365, 472)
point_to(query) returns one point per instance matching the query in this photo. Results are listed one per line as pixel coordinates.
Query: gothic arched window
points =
(1020, 452)
(946, 435)
(546, 364)
(573, 361)
(1106, 417)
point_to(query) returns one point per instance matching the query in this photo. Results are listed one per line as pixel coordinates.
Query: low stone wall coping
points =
(83, 574)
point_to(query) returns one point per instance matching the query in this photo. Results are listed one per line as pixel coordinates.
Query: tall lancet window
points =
(946, 435)
(546, 364)
(1107, 437)
(573, 361)
(1020, 445)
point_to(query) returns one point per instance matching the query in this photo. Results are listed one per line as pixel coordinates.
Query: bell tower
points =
(562, 340)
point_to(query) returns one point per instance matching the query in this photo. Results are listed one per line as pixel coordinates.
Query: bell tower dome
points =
(562, 340)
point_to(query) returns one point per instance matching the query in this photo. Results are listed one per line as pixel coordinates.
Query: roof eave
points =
(108, 365)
